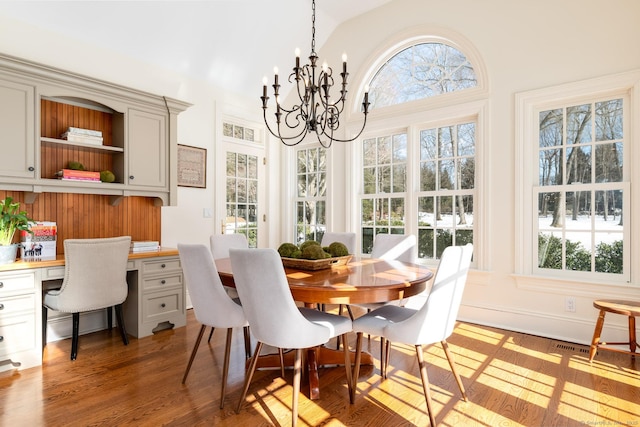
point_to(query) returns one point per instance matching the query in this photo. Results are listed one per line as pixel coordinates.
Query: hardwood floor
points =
(511, 379)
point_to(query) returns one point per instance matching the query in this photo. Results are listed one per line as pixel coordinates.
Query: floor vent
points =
(571, 347)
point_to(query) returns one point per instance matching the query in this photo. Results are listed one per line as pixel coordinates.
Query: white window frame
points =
(528, 105)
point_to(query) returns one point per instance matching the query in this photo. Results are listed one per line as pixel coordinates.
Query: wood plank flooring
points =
(511, 379)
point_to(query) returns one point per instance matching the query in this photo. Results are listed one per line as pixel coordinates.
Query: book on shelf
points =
(144, 243)
(81, 131)
(41, 244)
(86, 139)
(77, 175)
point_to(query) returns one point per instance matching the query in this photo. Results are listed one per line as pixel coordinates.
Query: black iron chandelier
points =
(316, 112)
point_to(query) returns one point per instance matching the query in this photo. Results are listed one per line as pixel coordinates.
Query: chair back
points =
(436, 319)
(221, 243)
(348, 239)
(266, 299)
(95, 274)
(399, 247)
(211, 304)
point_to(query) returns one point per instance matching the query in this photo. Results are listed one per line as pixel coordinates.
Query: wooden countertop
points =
(59, 261)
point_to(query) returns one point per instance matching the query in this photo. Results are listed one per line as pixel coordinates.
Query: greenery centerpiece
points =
(310, 255)
(12, 219)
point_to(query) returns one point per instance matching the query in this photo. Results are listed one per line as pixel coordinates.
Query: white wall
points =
(524, 46)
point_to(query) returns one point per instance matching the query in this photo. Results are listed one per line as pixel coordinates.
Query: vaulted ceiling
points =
(230, 43)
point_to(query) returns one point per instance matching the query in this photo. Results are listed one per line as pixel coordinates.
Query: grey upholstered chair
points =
(220, 245)
(211, 304)
(275, 319)
(432, 323)
(95, 277)
(348, 239)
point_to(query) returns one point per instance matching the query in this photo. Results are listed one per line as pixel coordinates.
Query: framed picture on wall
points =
(192, 166)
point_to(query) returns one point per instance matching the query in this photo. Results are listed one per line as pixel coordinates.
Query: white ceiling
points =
(231, 43)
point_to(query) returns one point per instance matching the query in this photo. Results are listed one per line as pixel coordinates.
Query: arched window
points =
(421, 165)
(421, 71)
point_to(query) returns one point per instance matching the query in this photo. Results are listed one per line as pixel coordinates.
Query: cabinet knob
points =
(1, 338)
(163, 305)
(162, 282)
(1, 285)
(31, 168)
(131, 177)
(163, 265)
(1, 306)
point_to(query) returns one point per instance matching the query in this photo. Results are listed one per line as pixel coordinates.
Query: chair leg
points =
(350, 313)
(425, 383)
(383, 342)
(109, 317)
(44, 326)
(596, 336)
(211, 334)
(356, 367)
(74, 336)
(632, 336)
(247, 342)
(249, 375)
(193, 353)
(387, 352)
(281, 354)
(297, 369)
(120, 319)
(347, 364)
(225, 366)
(447, 352)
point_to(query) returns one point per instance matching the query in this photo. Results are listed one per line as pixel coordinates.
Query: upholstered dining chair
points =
(95, 277)
(220, 245)
(432, 323)
(348, 239)
(275, 319)
(212, 306)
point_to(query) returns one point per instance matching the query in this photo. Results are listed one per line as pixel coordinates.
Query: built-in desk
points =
(156, 301)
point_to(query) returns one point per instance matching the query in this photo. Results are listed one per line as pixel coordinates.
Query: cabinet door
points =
(17, 113)
(147, 149)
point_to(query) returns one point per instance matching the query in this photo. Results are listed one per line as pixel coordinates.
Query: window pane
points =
(428, 144)
(579, 164)
(447, 175)
(384, 150)
(609, 162)
(579, 124)
(467, 173)
(427, 176)
(399, 178)
(609, 120)
(231, 164)
(400, 148)
(367, 212)
(421, 71)
(369, 180)
(302, 185)
(550, 125)
(550, 172)
(467, 139)
(384, 179)
(242, 166)
(369, 152)
(252, 167)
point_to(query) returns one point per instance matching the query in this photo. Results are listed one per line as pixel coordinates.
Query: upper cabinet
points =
(17, 130)
(131, 134)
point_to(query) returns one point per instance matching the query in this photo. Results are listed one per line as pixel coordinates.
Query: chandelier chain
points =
(313, 26)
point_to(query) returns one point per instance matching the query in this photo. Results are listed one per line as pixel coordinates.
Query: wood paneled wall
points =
(83, 216)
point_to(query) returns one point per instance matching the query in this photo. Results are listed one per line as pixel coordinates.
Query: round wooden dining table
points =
(361, 280)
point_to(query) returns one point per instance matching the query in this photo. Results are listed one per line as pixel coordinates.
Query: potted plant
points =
(12, 219)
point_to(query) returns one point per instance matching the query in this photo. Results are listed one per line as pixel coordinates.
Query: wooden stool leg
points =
(632, 335)
(596, 335)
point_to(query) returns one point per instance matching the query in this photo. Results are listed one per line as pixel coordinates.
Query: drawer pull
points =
(1, 285)
(1, 338)
(162, 282)
(1, 306)
(163, 305)
(163, 265)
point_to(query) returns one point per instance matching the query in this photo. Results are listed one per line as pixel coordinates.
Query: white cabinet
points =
(17, 130)
(20, 320)
(156, 298)
(147, 149)
(38, 104)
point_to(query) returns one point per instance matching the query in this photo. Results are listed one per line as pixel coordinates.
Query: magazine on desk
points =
(41, 245)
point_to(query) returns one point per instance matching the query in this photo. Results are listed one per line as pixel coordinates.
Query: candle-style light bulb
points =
(264, 86)
(275, 78)
(344, 62)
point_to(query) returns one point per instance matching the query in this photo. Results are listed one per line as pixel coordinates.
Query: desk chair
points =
(432, 323)
(95, 277)
(275, 319)
(220, 245)
(628, 308)
(211, 304)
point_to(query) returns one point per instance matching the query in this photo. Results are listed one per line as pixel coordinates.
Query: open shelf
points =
(83, 145)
